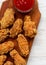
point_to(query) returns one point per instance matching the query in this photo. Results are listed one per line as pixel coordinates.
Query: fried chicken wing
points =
(2, 59)
(27, 18)
(8, 63)
(23, 45)
(8, 18)
(17, 28)
(6, 47)
(18, 60)
(29, 27)
(4, 33)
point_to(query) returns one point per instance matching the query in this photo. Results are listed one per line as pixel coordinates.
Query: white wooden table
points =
(38, 52)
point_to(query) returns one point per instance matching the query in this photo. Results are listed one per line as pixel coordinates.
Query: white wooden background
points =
(38, 52)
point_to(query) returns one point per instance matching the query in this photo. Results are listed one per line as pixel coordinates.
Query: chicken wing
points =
(18, 60)
(6, 47)
(29, 27)
(17, 28)
(27, 18)
(23, 45)
(4, 33)
(8, 18)
(8, 63)
(2, 59)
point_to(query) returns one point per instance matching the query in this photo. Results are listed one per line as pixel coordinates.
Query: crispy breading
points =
(4, 33)
(2, 59)
(17, 28)
(29, 27)
(27, 18)
(8, 18)
(8, 63)
(23, 45)
(18, 60)
(6, 47)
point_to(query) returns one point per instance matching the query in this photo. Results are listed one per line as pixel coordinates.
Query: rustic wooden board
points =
(35, 15)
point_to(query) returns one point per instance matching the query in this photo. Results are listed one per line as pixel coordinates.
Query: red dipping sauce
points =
(23, 5)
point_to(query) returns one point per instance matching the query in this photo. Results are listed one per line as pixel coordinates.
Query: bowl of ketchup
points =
(23, 5)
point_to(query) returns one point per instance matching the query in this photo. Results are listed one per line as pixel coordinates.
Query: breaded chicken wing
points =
(6, 47)
(8, 63)
(23, 45)
(7, 19)
(2, 59)
(4, 33)
(17, 28)
(18, 60)
(27, 18)
(29, 27)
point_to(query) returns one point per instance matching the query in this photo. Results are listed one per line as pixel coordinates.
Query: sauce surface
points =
(24, 5)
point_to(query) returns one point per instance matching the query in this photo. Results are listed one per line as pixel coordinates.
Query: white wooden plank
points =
(38, 52)
(42, 3)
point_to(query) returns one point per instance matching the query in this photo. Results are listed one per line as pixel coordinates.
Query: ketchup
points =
(23, 5)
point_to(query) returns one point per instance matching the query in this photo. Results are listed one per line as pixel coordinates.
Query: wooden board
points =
(35, 15)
